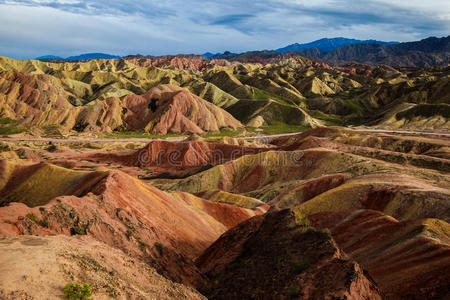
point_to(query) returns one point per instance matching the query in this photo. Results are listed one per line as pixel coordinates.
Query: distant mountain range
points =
(327, 45)
(80, 57)
(336, 51)
(427, 52)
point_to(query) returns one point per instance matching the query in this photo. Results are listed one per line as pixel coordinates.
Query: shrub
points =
(44, 223)
(303, 220)
(32, 217)
(326, 231)
(4, 148)
(35, 219)
(299, 266)
(75, 291)
(160, 247)
(78, 230)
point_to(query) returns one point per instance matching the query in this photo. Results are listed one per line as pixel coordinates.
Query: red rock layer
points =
(122, 212)
(169, 108)
(271, 257)
(408, 260)
(175, 158)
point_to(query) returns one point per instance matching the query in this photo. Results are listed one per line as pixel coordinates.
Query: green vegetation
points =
(326, 231)
(129, 233)
(35, 219)
(52, 131)
(279, 128)
(6, 121)
(141, 243)
(299, 266)
(425, 110)
(12, 129)
(160, 247)
(353, 104)
(329, 119)
(291, 226)
(138, 135)
(4, 148)
(75, 291)
(225, 132)
(79, 230)
(303, 220)
(258, 94)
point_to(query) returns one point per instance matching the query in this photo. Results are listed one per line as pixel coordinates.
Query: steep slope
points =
(117, 209)
(171, 109)
(271, 256)
(88, 96)
(40, 267)
(177, 159)
(407, 259)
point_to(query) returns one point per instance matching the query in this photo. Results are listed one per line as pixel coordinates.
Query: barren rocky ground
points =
(186, 178)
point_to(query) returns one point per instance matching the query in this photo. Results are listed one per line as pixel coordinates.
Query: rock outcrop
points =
(271, 256)
(407, 259)
(169, 109)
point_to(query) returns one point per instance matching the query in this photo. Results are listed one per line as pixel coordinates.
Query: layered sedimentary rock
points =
(176, 159)
(87, 95)
(170, 109)
(408, 259)
(117, 209)
(273, 255)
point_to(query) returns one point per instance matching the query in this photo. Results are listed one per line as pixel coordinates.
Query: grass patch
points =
(7, 121)
(75, 291)
(224, 132)
(278, 128)
(138, 135)
(425, 110)
(51, 131)
(303, 220)
(353, 104)
(258, 94)
(12, 129)
(330, 120)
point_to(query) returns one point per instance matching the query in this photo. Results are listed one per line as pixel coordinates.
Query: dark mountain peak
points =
(92, 56)
(49, 57)
(84, 56)
(330, 44)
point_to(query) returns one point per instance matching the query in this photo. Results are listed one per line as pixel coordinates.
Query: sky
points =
(31, 28)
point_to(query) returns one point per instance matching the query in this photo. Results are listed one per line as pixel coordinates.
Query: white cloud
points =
(29, 28)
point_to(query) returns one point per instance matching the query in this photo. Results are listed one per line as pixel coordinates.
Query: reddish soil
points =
(271, 255)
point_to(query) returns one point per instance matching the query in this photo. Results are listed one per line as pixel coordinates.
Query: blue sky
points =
(31, 28)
